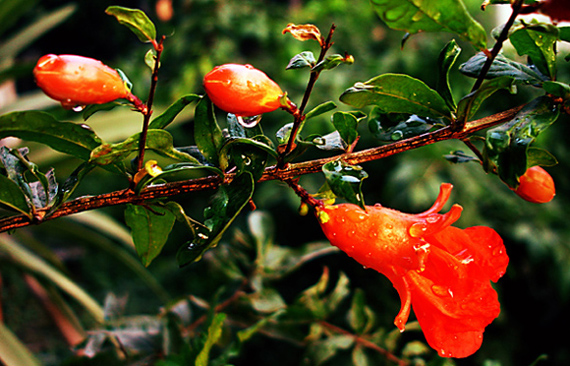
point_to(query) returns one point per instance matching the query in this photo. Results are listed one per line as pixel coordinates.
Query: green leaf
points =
(332, 61)
(507, 145)
(345, 181)
(447, 58)
(150, 227)
(66, 137)
(322, 351)
(346, 124)
(558, 89)
(13, 197)
(214, 334)
(320, 109)
(172, 111)
(207, 132)
(390, 127)
(159, 141)
(413, 16)
(538, 42)
(13, 352)
(397, 93)
(136, 20)
(225, 206)
(470, 104)
(502, 66)
(537, 156)
(303, 59)
(360, 317)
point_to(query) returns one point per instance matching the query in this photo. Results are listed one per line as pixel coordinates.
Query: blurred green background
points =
(200, 34)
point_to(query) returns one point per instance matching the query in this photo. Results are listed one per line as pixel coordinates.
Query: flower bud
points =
(536, 186)
(78, 81)
(242, 90)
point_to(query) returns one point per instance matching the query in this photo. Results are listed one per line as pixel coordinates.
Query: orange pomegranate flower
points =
(441, 271)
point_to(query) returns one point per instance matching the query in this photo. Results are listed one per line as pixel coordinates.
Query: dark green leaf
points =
(345, 181)
(159, 141)
(11, 196)
(360, 317)
(538, 43)
(558, 89)
(225, 206)
(136, 20)
(507, 145)
(332, 61)
(207, 132)
(537, 156)
(447, 58)
(503, 66)
(415, 16)
(346, 124)
(397, 93)
(390, 127)
(71, 183)
(470, 104)
(178, 172)
(247, 155)
(66, 137)
(458, 157)
(166, 117)
(150, 227)
(303, 59)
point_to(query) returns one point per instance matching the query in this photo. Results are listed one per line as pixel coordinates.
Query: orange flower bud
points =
(77, 81)
(536, 186)
(242, 90)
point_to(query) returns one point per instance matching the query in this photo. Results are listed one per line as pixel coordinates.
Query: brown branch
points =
(271, 173)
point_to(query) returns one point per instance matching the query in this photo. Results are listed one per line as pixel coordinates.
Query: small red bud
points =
(536, 186)
(242, 90)
(78, 81)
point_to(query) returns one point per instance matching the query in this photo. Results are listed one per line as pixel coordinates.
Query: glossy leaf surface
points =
(136, 20)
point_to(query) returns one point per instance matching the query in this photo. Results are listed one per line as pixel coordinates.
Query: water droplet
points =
(397, 135)
(418, 229)
(248, 123)
(78, 108)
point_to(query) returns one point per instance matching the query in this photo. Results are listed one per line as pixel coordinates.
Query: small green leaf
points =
(320, 109)
(136, 20)
(150, 227)
(66, 137)
(447, 58)
(346, 124)
(159, 141)
(13, 197)
(507, 145)
(558, 89)
(332, 61)
(360, 317)
(207, 132)
(390, 127)
(415, 16)
(214, 334)
(303, 59)
(225, 206)
(345, 181)
(470, 104)
(537, 156)
(166, 117)
(502, 66)
(538, 42)
(397, 93)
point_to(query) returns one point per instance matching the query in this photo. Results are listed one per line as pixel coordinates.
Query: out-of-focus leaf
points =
(346, 124)
(415, 16)
(321, 351)
(267, 300)
(359, 357)
(503, 66)
(207, 132)
(12, 196)
(225, 206)
(447, 58)
(345, 181)
(166, 117)
(13, 352)
(470, 104)
(507, 145)
(12, 11)
(31, 262)
(136, 20)
(538, 41)
(214, 334)
(397, 93)
(303, 59)
(159, 141)
(360, 316)
(150, 228)
(66, 137)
